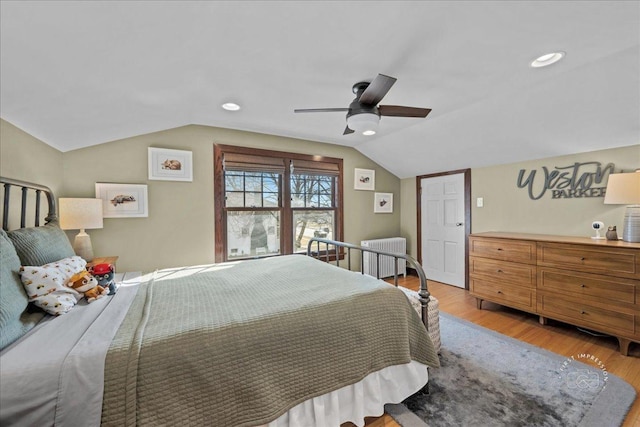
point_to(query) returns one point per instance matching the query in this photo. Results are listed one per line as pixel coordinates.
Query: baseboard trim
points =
(411, 271)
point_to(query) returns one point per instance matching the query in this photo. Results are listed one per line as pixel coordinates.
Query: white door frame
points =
(467, 214)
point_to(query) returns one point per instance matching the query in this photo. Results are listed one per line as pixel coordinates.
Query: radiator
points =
(393, 245)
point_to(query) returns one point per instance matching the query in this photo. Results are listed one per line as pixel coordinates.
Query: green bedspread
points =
(241, 343)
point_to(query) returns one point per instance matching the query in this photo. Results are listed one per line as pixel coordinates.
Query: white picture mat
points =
(170, 165)
(123, 200)
(364, 179)
(383, 203)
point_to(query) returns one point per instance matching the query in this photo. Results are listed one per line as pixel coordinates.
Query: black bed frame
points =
(25, 188)
(332, 250)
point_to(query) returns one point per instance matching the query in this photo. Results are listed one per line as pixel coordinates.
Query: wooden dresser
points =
(590, 283)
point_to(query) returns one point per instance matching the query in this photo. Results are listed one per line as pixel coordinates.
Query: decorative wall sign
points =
(383, 203)
(123, 200)
(364, 179)
(567, 182)
(170, 165)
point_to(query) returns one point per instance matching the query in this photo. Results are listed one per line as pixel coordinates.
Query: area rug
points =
(489, 379)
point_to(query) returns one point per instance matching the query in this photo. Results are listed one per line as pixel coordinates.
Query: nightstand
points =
(103, 260)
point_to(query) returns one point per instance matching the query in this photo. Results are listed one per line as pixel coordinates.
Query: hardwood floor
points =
(557, 337)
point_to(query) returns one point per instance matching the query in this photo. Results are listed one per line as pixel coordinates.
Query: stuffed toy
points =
(105, 274)
(86, 284)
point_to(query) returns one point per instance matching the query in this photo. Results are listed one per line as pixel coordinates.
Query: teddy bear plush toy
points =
(105, 274)
(86, 284)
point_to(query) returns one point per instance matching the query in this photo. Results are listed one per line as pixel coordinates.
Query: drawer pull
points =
(582, 285)
(499, 249)
(583, 312)
(499, 292)
(582, 259)
(498, 271)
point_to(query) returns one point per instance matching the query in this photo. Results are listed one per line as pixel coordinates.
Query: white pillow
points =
(45, 285)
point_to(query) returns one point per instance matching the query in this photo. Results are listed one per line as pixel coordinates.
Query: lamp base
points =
(82, 246)
(631, 224)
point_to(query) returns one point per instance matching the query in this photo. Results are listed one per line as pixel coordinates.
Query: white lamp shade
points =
(623, 189)
(363, 122)
(80, 214)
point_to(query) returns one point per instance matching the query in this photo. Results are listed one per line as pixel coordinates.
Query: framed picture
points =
(170, 165)
(383, 203)
(364, 179)
(123, 200)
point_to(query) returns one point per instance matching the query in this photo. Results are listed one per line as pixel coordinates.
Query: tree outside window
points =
(270, 203)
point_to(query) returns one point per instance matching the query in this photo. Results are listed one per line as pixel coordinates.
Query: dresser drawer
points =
(522, 251)
(520, 297)
(616, 262)
(583, 314)
(578, 280)
(502, 271)
(590, 286)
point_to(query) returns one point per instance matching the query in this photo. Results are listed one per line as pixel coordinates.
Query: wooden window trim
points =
(307, 160)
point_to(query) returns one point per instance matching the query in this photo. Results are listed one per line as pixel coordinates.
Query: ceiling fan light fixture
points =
(364, 123)
(547, 59)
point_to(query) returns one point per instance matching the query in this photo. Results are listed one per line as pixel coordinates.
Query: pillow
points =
(41, 245)
(14, 320)
(45, 285)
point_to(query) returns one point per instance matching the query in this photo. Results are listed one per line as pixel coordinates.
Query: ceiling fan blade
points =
(319, 110)
(400, 111)
(377, 89)
(347, 131)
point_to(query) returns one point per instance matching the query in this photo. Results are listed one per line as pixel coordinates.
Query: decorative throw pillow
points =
(14, 320)
(45, 285)
(41, 245)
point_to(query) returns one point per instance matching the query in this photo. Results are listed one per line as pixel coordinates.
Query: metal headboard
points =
(25, 188)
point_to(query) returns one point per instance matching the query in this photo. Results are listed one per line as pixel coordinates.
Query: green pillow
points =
(14, 320)
(41, 245)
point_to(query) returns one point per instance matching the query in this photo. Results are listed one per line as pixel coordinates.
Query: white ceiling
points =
(75, 74)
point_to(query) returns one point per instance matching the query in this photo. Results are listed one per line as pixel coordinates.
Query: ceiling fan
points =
(363, 114)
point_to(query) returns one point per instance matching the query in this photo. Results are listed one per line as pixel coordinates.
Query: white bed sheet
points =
(54, 375)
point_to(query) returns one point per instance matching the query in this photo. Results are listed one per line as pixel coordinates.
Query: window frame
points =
(285, 208)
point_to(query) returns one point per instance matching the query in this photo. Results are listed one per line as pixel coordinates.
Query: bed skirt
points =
(355, 402)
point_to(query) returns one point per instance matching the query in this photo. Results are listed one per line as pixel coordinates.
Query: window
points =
(270, 202)
(312, 208)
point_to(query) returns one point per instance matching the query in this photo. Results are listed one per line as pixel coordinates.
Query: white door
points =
(443, 228)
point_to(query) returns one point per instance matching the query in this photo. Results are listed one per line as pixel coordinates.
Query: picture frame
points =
(364, 179)
(383, 203)
(170, 165)
(123, 200)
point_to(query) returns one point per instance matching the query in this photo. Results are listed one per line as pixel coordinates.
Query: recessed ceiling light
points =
(230, 106)
(369, 132)
(548, 59)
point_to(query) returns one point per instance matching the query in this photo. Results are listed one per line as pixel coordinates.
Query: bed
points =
(282, 341)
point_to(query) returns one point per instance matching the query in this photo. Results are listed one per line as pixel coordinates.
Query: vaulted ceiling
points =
(75, 74)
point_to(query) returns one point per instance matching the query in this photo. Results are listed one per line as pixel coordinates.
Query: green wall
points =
(509, 208)
(180, 226)
(27, 158)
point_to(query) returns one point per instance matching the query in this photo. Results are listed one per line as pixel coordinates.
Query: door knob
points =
(458, 224)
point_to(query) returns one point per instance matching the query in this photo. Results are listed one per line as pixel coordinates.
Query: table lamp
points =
(624, 189)
(81, 214)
